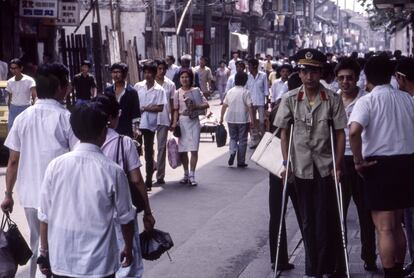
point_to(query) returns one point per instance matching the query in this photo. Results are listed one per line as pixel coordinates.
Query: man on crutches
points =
(312, 109)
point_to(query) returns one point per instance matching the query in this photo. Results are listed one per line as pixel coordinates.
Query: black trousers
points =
(58, 276)
(275, 207)
(352, 186)
(148, 138)
(320, 223)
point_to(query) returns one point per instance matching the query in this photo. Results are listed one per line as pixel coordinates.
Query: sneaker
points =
(231, 159)
(192, 181)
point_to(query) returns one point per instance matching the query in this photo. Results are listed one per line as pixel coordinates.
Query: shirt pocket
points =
(300, 124)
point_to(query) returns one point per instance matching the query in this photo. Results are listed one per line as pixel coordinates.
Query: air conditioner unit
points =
(391, 4)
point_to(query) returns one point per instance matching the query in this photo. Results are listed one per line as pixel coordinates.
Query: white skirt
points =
(190, 134)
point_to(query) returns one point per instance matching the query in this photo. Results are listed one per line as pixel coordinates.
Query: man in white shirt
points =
(258, 88)
(238, 117)
(152, 100)
(172, 68)
(40, 133)
(78, 211)
(233, 61)
(205, 77)
(164, 119)
(381, 137)
(21, 89)
(240, 67)
(279, 86)
(347, 72)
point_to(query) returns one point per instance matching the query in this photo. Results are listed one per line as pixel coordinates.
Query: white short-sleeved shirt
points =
(20, 90)
(348, 111)
(258, 88)
(387, 116)
(232, 65)
(110, 148)
(84, 195)
(40, 133)
(279, 87)
(152, 96)
(171, 71)
(164, 117)
(238, 101)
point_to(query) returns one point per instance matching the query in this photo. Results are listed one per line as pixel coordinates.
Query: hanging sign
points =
(39, 8)
(69, 13)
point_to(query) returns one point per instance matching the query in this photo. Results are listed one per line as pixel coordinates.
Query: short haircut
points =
(189, 72)
(240, 63)
(204, 58)
(88, 121)
(109, 104)
(222, 62)
(254, 62)
(171, 57)
(161, 62)
(294, 81)
(406, 67)
(150, 66)
(17, 62)
(49, 78)
(285, 66)
(120, 66)
(240, 79)
(348, 64)
(86, 63)
(379, 70)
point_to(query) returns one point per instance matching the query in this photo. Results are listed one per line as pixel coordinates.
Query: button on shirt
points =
(40, 133)
(81, 210)
(348, 111)
(20, 90)
(311, 136)
(279, 87)
(238, 101)
(164, 117)
(258, 88)
(152, 96)
(387, 116)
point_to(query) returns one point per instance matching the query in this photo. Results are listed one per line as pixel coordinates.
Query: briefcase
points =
(268, 154)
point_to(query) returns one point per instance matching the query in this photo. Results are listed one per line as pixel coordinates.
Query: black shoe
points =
(284, 267)
(160, 181)
(242, 165)
(253, 147)
(231, 159)
(370, 266)
(148, 185)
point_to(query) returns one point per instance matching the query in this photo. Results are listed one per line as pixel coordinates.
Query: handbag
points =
(177, 131)
(154, 243)
(136, 197)
(8, 267)
(221, 136)
(173, 154)
(16, 243)
(268, 154)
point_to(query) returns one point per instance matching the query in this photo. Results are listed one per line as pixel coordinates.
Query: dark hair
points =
(240, 62)
(49, 78)
(190, 74)
(150, 66)
(121, 66)
(406, 67)
(294, 81)
(88, 120)
(240, 79)
(161, 62)
(222, 61)
(171, 57)
(379, 70)
(109, 104)
(327, 71)
(361, 62)
(17, 62)
(204, 58)
(86, 63)
(348, 64)
(285, 66)
(254, 62)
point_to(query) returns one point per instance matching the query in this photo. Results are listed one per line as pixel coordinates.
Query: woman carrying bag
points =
(189, 103)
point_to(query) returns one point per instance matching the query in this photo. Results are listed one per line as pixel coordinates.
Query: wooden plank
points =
(97, 47)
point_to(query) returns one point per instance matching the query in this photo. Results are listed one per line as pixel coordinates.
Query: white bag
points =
(268, 154)
(173, 154)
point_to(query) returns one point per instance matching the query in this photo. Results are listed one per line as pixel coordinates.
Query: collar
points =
(49, 101)
(382, 88)
(87, 147)
(322, 93)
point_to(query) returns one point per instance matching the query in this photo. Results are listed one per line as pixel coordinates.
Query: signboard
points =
(39, 8)
(69, 13)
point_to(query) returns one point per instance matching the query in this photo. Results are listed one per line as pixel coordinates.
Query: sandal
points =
(192, 181)
(184, 180)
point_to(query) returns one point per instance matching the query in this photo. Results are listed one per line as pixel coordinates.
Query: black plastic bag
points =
(177, 131)
(221, 136)
(154, 244)
(15, 241)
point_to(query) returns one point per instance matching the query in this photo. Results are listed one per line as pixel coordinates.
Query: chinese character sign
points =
(39, 8)
(69, 13)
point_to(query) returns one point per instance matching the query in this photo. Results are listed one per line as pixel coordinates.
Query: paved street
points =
(220, 228)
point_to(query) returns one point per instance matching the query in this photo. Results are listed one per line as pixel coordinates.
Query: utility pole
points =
(207, 28)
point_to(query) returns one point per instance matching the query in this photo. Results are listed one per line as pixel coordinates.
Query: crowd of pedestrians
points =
(365, 106)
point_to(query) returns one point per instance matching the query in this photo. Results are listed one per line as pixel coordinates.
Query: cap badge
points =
(308, 55)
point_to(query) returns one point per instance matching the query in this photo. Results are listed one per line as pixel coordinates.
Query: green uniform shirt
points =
(311, 136)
